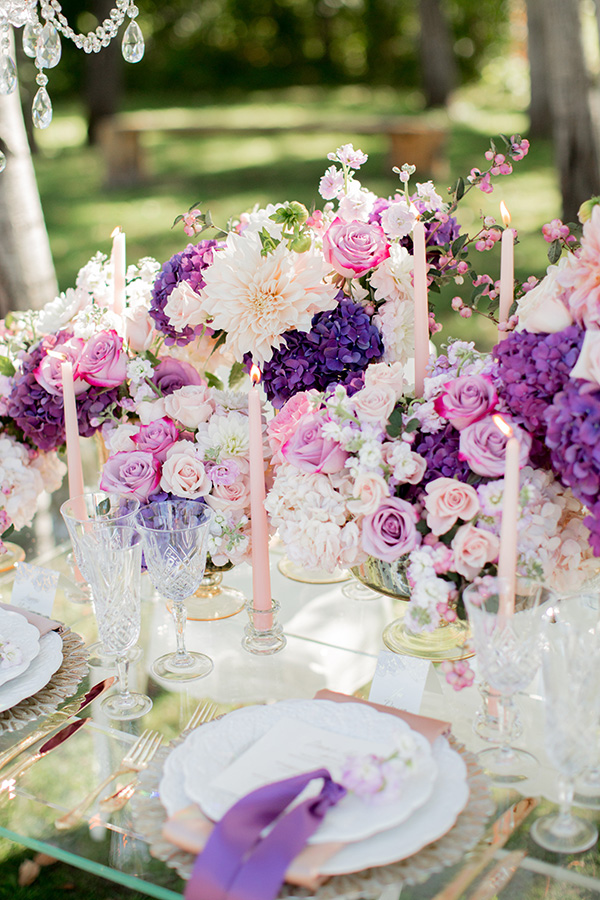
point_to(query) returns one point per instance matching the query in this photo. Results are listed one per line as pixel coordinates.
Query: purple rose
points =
(103, 361)
(157, 437)
(353, 248)
(226, 472)
(466, 400)
(172, 374)
(310, 452)
(391, 531)
(483, 446)
(49, 373)
(135, 473)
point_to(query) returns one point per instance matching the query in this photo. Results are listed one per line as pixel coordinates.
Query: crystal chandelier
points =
(41, 41)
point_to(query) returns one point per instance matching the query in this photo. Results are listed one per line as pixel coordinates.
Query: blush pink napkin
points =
(189, 829)
(43, 625)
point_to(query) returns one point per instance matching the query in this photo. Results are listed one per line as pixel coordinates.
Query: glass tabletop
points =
(332, 642)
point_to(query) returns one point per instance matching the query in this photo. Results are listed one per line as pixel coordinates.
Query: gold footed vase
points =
(214, 600)
(446, 641)
(311, 576)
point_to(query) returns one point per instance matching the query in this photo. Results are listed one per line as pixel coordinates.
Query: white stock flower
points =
(398, 219)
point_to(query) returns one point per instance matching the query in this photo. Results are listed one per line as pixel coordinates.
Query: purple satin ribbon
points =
(237, 864)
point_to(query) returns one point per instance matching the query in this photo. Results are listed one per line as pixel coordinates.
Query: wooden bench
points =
(411, 140)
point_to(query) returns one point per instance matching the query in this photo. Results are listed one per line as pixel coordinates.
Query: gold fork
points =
(136, 759)
(204, 712)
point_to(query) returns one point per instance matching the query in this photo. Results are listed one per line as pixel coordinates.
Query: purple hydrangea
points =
(441, 452)
(439, 233)
(532, 369)
(337, 349)
(41, 415)
(187, 265)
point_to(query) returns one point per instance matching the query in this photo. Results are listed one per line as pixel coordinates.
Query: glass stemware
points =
(113, 562)
(82, 515)
(507, 649)
(571, 677)
(175, 537)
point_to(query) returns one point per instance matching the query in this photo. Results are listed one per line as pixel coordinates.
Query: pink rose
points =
(183, 472)
(132, 472)
(473, 548)
(390, 532)
(139, 328)
(157, 437)
(483, 446)
(449, 500)
(172, 374)
(382, 373)
(190, 405)
(370, 489)
(283, 425)
(229, 496)
(353, 248)
(49, 374)
(375, 403)
(466, 400)
(310, 452)
(103, 361)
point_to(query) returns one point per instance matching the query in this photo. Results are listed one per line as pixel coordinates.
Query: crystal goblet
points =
(82, 515)
(113, 562)
(175, 536)
(571, 678)
(507, 649)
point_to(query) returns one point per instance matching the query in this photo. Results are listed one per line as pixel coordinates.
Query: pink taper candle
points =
(507, 559)
(421, 307)
(74, 468)
(261, 576)
(507, 270)
(118, 265)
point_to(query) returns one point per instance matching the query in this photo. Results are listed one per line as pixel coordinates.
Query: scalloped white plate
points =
(211, 748)
(15, 628)
(37, 675)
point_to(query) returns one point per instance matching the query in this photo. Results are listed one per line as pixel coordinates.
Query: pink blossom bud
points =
(465, 312)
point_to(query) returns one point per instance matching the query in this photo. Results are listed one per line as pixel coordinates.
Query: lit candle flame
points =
(505, 214)
(56, 355)
(255, 374)
(503, 425)
(115, 231)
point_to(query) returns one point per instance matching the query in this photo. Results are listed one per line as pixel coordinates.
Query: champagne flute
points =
(175, 536)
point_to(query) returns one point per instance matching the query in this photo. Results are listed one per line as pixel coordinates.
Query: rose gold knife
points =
(502, 829)
(498, 877)
(55, 741)
(61, 717)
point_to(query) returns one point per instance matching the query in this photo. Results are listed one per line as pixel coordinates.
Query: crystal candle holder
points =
(263, 634)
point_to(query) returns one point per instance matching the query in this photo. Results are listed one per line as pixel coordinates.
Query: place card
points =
(399, 681)
(34, 588)
(290, 748)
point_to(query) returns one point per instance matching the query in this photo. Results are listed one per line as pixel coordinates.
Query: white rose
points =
(190, 405)
(150, 410)
(588, 361)
(184, 307)
(119, 438)
(139, 328)
(370, 489)
(183, 472)
(541, 309)
(375, 402)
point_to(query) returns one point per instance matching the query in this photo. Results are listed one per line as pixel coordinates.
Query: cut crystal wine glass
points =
(175, 536)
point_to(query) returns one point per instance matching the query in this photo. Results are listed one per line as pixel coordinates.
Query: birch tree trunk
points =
(27, 277)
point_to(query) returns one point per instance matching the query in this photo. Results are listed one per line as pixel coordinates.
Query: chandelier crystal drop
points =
(43, 22)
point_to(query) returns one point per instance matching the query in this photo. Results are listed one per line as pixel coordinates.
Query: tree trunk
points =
(438, 66)
(27, 277)
(574, 137)
(381, 28)
(540, 112)
(103, 81)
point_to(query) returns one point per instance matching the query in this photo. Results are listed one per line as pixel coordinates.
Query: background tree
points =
(540, 110)
(438, 64)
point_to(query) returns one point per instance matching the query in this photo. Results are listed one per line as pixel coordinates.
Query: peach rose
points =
(184, 307)
(229, 496)
(369, 490)
(449, 500)
(473, 548)
(139, 328)
(183, 472)
(382, 373)
(375, 403)
(190, 405)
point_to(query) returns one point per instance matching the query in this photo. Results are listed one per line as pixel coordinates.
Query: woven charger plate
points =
(150, 816)
(60, 686)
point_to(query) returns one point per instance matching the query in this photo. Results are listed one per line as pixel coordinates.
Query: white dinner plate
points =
(428, 823)
(211, 748)
(15, 628)
(37, 675)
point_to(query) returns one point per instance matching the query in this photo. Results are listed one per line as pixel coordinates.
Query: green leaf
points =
(236, 373)
(8, 532)
(554, 251)
(213, 381)
(412, 425)
(6, 366)
(220, 340)
(460, 188)
(152, 358)
(459, 243)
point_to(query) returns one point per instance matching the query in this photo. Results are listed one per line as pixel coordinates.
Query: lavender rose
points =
(171, 374)
(391, 532)
(353, 248)
(135, 473)
(483, 446)
(103, 361)
(466, 400)
(156, 437)
(310, 452)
